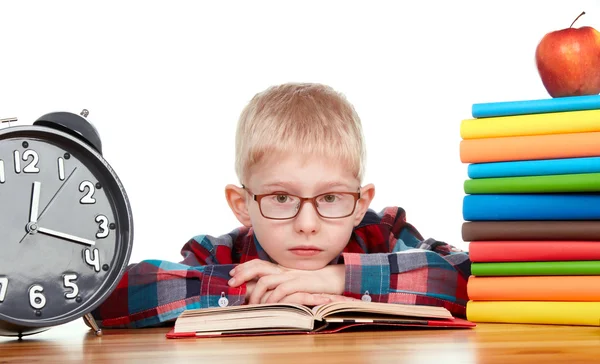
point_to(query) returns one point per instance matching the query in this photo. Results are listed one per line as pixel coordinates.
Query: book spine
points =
(531, 147)
(560, 104)
(583, 182)
(541, 167)
(531, 207)
(532, 312)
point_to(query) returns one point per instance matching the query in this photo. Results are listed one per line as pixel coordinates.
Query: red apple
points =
(568, 61)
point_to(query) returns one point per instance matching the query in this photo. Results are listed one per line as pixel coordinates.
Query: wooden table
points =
(487, 343)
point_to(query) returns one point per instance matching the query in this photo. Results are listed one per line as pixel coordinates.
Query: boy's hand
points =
(310, 299)
(280, 282)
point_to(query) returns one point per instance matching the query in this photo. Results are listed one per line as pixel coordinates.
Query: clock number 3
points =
(103, 227)
(3, 288)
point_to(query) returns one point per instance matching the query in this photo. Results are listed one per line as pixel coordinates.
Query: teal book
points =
(535, 106)
(557, 206)
(534, 167)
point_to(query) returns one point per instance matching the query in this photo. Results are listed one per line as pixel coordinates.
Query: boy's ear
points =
(236, 198)
(367, 193)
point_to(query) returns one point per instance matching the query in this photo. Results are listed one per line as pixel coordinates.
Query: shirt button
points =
(223, 301)
(365, 297)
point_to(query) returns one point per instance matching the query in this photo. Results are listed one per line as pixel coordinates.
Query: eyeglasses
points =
(283, 206)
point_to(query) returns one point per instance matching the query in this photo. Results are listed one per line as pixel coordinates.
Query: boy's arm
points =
(413, 271)
(154, 292)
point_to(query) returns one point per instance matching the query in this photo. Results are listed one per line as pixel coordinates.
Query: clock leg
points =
(91, 322)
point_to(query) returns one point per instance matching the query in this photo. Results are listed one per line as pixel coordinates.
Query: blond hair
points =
(303, 118)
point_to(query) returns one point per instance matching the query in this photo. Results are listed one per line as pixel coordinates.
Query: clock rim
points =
(120, 197)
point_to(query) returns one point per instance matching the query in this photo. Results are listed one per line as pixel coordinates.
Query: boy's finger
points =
(339, 298)
(252, 271)
(248, 264)
(265, 284)
(285, 289)
(307, 299)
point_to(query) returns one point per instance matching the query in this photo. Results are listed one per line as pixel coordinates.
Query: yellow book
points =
(535, 312)
(531, 124)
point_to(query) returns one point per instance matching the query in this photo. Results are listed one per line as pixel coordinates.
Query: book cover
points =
(493, 207)
(550, 268)
(585, 230)
(534, 288)
(533, 251)
(531, 147)
(535, 312)
(540, 167)
(533, 124)
(535, 106)
(581, 182)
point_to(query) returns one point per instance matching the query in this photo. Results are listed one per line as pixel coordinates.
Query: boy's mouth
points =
(305, 250)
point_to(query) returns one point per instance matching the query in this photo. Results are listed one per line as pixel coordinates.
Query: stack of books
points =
(532, 210)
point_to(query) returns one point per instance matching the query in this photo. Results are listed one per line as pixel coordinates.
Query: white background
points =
(180, 72)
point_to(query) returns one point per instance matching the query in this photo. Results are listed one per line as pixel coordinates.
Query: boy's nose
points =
(307, 221)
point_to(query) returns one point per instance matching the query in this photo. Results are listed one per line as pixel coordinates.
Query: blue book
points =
(559, 104)
(507, 207)
(541, 167)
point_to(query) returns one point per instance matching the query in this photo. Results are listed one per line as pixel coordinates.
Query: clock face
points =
(64, 236)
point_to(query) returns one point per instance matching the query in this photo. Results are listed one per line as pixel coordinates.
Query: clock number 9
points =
(3, 288)
(37, 299)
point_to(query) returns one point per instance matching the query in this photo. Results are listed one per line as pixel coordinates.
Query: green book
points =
(585, 267)
(582, 182)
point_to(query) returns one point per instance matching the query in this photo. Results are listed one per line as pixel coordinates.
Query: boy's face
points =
(307, 241)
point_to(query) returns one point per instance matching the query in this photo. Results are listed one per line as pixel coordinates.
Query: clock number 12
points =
(31, 167)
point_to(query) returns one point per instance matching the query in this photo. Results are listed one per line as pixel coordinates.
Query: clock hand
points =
(58, 234)
(28, 227)
(56, 194)
(35, 202)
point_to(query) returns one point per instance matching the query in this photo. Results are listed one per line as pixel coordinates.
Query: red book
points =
(533, 251)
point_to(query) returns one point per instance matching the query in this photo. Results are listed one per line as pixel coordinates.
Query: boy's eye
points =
(281, 198)
(329, 198)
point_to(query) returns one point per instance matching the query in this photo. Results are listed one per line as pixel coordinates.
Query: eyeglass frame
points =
(312, 201)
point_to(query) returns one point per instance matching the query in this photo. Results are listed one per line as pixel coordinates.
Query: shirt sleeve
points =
(413, 271)
(155, 292)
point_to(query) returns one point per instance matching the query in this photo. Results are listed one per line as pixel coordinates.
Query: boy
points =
(308, 235)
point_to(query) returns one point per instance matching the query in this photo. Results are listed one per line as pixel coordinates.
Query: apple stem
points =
(583, 12)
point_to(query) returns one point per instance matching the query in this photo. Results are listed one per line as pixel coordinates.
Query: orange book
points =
(530, 147)
(534, 288)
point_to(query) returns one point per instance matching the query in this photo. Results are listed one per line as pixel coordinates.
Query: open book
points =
(279, 318)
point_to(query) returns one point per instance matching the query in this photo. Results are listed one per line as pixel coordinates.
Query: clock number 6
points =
(37, 299)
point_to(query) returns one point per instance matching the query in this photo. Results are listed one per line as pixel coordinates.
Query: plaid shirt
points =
(386, 258)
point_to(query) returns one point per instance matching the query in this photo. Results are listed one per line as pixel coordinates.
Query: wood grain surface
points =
(487, 343)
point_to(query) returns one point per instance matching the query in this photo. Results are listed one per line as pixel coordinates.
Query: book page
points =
(244, 309)
(393, 309)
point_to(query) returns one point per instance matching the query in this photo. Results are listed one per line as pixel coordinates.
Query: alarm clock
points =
(66, 226)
